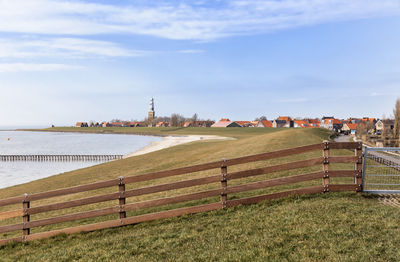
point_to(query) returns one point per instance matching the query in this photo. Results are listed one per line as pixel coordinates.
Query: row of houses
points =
(282, 121)
(110, 124)
(143, 124)
(348, 126)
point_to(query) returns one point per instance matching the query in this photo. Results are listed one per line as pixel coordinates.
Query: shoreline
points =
(166, 142)
(171, 141)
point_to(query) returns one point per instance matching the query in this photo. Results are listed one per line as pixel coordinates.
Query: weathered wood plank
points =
(229, 162)
(172, 200)
(256, 199)
(73, 203)
(9, 228)
(343, 187)
(126, 207)
(344, 145)
(275, 182)
(277, 168)
(274, 154)
(171, 186)
(11, 201)
(9, 240)
(128, 193)
(10, 214)
(343, 159)
(73, 217)
(60, 192)
(342, 173)
(127, 221)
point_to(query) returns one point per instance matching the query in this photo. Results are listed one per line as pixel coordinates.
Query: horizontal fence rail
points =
(223, 191)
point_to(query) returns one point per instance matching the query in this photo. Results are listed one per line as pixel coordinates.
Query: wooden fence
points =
(223, 191)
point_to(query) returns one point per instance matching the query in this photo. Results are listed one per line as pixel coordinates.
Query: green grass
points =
(333, 227)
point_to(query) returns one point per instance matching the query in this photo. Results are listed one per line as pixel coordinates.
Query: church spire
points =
(152, 114)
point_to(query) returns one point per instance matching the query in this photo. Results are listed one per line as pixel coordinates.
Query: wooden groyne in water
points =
(60, 158)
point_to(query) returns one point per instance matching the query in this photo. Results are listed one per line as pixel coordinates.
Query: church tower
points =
(152, 114)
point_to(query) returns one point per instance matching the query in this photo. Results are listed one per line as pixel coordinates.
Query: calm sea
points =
(37, 143)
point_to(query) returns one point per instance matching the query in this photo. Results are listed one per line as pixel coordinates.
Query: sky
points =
(66, 61)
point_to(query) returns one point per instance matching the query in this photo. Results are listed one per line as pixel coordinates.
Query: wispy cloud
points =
(294, 100)
(32, 67)
(177, 20)
(62, 47)
(191, 51)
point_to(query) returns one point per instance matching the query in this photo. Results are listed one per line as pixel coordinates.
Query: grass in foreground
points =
(332, 226)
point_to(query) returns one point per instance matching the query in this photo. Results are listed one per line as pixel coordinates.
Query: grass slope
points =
(334, 227)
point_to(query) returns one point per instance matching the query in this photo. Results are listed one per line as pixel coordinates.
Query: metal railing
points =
(381, 170)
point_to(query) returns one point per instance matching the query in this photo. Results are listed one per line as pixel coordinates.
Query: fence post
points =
(358, 167)
(325, 167)
(26, 204)
(224, 183)
(121, 199)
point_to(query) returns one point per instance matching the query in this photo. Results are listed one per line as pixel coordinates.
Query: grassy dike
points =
(333, 227)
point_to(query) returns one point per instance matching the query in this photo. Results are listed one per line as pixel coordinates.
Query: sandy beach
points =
(170, 141)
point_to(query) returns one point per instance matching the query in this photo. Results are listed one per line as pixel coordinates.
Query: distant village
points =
(346, 126)
(372, 129)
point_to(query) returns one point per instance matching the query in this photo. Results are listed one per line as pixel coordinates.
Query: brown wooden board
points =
(73, 217)
(256, 199)
(275, 182)
(171, 186)
(342, 173)
(127, 221)
(11, 200)
(275, 154)
(9, 228)
(10, 214)
(343, 187)
(343, 159)
(59, 192)
(277, 168)
(73, 203)
(218, 164)
(172, 200)
(343, 145)
(9, 240)
(127, 207)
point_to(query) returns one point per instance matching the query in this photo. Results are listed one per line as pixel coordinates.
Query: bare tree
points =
(177, 120)
(260, 118)
(195, 118)
(396, 114)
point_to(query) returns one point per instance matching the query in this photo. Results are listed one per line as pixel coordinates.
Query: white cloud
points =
(200, 21)
(62, 47)
(32, 67)
(191, 51)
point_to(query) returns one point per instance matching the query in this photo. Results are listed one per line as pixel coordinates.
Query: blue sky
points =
(66, 61)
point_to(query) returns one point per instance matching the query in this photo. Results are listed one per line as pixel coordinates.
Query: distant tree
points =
(195, 118)
(396, 114)
(177, 120)
(174, 120)
(361, 130)
(260, 118)
(116, 120)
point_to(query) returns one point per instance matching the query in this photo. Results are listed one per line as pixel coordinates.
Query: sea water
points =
(54, 143)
